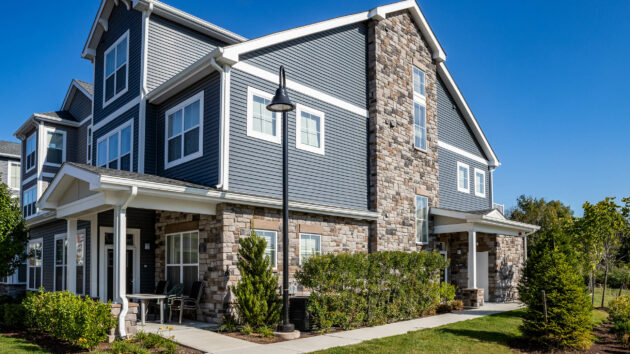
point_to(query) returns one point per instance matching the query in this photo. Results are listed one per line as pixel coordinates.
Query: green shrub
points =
(619, 309)
(352, 290)
(12, 315)
(447, 292)
(128, 347)
(617, 276)
(265, 332)
(81, 321)
(556, 271)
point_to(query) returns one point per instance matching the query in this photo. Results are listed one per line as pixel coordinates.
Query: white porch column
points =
(71, 266)
(94, 256)
(120, 265)
(472, 259)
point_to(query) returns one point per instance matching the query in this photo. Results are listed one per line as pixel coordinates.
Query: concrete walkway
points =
(200, 337)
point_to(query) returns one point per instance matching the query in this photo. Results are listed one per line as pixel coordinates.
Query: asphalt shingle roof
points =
(87, 86)
(65, 115)
(9, 148)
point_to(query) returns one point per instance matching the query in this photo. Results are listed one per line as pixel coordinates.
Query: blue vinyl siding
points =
(81, 148)
(450, 197)
(151, 145)
(120, 21)
(203, 170)
(47, 232)
(112, 125)
(172, 48)
(81, 106)
(337, 178)
(334, 61)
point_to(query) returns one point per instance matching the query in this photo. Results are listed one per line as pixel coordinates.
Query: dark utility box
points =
(298, 313)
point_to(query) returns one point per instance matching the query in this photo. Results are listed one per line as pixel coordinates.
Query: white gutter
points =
(122, 245)
(224, 125)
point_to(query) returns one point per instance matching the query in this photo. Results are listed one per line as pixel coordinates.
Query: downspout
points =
(491, 189)
(124, 303)
(224, 125)
(146, 14)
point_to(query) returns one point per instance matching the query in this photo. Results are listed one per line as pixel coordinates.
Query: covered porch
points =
(486, 252)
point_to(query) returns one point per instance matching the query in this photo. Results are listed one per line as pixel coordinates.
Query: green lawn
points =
(490, 334)
(18, 346)
(610, 294)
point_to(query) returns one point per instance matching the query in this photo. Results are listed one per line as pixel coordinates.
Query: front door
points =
(110, 272)
(482, 274)
(106, 262)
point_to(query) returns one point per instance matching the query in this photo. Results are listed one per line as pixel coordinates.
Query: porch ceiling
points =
(489, 221)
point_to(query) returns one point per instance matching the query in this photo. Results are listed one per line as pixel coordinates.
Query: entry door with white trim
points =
(106, 262)
(482, 273)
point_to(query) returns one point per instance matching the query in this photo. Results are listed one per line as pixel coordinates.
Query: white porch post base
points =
(120, 266)
(472, 259)
(71, 266)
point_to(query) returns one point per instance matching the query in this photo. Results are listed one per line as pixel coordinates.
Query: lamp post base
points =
(289, 327)
(288, 335)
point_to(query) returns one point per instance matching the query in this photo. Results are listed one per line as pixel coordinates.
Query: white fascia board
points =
(468, 115)
(73, 85)
(31, 122)
(89, 52)
(67, 170)
(9, 155)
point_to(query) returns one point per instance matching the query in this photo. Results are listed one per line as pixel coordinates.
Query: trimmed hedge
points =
(353, 290)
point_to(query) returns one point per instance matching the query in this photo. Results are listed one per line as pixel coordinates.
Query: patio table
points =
(143, 299)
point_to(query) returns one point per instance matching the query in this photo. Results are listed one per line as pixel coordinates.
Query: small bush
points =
(450, 306)
(619, 309)
(78, 320)
(128, 347)
(13, 315)
(265, 332)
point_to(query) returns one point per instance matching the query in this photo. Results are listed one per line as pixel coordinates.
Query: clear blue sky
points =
(547, 80)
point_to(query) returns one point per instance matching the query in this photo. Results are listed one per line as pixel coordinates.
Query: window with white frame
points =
(309, 129)
(480, 183)
(61, 260)
(31, 151)
(55, 146)
(419, 110)
(116, 69)
(182, 259)
(422, 219)
(272, 246)
(14, 175)
(184, 131)
(88, 151)
(463, 177)
(114, 148)
(262, 123)
(34, 264)
(29, 198)
(80, 262)
(18, 277)
(310, 245)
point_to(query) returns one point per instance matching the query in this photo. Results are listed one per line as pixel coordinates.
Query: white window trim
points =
(63, 151)
(300, 245)
(298, 128)
(251, 92)
(181, 264)
(33, 135)
(28, 263)
(9, 175)
(88, 148)
(421, 100)
(275, 267)
(118, 130)
(483, 179)
(22, 202)
(111, 47)
(197, 97)
(64, 266)
(460, 188)
(421, 242)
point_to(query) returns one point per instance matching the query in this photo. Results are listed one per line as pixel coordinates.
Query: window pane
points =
(59, 272)
(270, 251)
(172, 275)
(109, 87)
(59, 251)
(121, 78)
(101, 159)
(110, 63)
(175, 124)
(191, 115)
(191, 274)
(191, 141)
(125, 140)
(22, 273)
(54, 156)
(15, 176)
(121, 53)
(419, 117)
(418, 81)
(310, 244)
(175, 148)
(125, 162)
(310, 129)
(263, 119)
(113, 147)
(54, 140)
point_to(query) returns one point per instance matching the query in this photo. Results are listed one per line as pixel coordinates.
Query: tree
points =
(604, 226)
(548, 215)
(13, 233)
(257, 300)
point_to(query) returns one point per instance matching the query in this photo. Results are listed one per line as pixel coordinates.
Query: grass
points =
(610, 294)
(18, 346)
(489, 334)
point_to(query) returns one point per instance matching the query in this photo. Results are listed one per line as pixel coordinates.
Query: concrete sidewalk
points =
(210, 342)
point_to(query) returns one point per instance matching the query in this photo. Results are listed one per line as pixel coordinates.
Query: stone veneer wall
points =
(218, 245)
(13, 290)
(510, 260)
(399, 171)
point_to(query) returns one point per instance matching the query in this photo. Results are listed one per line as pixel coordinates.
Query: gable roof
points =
(158, 8)
(10, 149)
(56, 117)
(76, 86)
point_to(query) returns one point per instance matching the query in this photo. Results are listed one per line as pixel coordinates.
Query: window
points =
(480, 183)
(419, 110)
(310, 245)
(462, 178)
(30, 151)
(61, 259)
(88, 152)
(272, 246)
(309, 129)
(28, 202)
(80, 262)
(182, 259)
(116, 69)
(422, 219)
(34, 264)
(114, 149)
(184, 134)
(18, 277)
(14, 175)
(262, 123)
(55, 147)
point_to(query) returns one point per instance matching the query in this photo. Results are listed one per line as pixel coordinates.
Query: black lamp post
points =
(282, 104)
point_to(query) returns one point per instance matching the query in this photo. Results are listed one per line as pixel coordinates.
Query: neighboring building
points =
(10, 166)
(164, 163)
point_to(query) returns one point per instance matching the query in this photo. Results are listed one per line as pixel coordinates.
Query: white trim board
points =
(293, 85)
(461, 152)
(129, 105)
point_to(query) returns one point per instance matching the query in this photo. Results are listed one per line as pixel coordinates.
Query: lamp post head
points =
(281, 102)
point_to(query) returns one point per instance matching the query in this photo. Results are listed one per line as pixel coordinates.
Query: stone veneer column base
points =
(131, 320)
(472, 297)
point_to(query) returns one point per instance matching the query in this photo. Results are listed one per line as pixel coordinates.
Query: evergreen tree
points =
(13, 234)
(257, 300)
